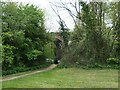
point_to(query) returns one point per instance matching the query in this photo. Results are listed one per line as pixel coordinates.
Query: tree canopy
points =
(23, 35)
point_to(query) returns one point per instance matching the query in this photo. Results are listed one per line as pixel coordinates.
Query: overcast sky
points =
(50, 17)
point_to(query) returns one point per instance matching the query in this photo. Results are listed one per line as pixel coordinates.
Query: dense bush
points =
(49, 50)
(113, 61)
(24, 37)
(18, 69)
(7, 56)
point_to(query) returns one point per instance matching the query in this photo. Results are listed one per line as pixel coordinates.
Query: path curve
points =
(33, 72)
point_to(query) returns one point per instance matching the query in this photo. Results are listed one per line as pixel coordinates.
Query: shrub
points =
(7, 56)
(113, 61)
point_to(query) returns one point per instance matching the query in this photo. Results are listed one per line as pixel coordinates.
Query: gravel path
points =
(33, 72)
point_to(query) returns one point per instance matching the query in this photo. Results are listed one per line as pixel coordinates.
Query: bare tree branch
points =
(57, 13)
(64, 6)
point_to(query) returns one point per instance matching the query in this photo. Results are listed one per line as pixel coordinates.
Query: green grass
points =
(67, 78)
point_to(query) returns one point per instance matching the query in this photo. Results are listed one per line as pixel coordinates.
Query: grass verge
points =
(67, 78)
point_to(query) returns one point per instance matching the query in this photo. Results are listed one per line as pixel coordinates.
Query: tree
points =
(24, 35)
(92, 39)
(63, 29)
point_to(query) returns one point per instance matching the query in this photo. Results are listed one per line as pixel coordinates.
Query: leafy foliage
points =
(23, 35)
(95, 41)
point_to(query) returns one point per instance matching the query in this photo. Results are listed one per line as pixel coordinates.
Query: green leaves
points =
(33, 54)
(96, 35)
(113, 61)
(7, 56)
(23, 29)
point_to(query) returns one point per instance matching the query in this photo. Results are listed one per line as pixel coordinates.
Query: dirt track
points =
(30, 73)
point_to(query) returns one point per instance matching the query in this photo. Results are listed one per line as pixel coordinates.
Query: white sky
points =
(50, 17)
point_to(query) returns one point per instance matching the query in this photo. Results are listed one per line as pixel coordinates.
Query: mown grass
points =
(67, 78)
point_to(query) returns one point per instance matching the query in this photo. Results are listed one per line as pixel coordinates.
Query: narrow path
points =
(33, 72)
